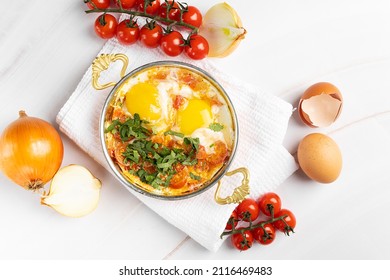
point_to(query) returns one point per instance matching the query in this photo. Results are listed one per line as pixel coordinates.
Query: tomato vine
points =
(171, 22)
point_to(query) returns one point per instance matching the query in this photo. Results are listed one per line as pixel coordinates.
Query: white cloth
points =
(262, 119)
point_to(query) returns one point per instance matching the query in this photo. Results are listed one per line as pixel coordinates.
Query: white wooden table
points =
(45, 49)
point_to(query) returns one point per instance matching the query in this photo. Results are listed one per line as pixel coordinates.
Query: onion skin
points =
(31, 152)
(222, 28)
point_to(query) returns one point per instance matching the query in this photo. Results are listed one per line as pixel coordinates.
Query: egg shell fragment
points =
(320, 158)
(320, 105)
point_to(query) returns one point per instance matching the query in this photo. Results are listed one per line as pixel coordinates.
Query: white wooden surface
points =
(45, 47)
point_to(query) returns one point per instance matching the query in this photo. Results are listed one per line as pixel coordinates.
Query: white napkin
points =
(262, 122)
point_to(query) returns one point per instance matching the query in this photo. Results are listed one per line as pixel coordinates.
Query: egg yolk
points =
(142, 98)
(196, 114)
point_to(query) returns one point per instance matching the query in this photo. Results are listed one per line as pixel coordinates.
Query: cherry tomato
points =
(180, 178)
(151, 9)
(193, 16)
(220, 153)
(198, 47)
(269, 200)
(233, 218)
(127, 32)
(242, 241)
(100, 4)
(150, 36)
(248, 210)
(174, 11)
(105, 26)
(201, 153)
(172, 43)
(264, 237)
(126, 4)
(289, 224)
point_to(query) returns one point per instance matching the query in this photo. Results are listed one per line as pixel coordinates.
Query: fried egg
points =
(151, 102)
(176, 103)
(197, 113)
(143, 98)
(207, 137)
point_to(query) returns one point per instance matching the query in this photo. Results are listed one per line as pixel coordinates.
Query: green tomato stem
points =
(251, 226)
(145, 15)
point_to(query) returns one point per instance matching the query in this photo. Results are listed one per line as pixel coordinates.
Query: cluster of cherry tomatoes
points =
(152, 34)
(260, 229)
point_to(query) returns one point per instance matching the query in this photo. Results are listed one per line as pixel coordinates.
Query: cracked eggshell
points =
(320, 105)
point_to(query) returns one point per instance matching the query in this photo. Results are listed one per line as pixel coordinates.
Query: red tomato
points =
(127, 32)
(201, 153)
(100, 4)
(179, 179)
(198, 47)
(193, 16)
(289, 221)
(248, 210)
(126, 4)
(172, 43)
(178, 102)
(150, 35)
(269, 200)
(173, 10)
(242, 241)
(264, 237)
(105, 26)
(151, 9)
(220, 153)
(233, 218)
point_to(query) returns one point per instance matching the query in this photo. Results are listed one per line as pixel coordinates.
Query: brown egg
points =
(320, 158)
(320, 105)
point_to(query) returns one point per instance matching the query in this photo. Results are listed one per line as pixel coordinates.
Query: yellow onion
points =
(222, 28)
(74, 191)
(31, 152)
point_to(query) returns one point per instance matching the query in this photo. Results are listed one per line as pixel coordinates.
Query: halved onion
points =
(223, 30)
(74, 191)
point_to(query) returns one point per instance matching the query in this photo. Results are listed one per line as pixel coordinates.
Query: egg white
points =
(207, 138)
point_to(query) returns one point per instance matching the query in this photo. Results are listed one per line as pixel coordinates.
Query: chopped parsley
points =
(194, 142)
(195, 177)
(174, 133)
(216, 126)
(131, 128)
(154, 163)
(161, 161)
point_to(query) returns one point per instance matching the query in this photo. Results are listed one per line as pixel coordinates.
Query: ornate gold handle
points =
(102, 63)
(239, 193)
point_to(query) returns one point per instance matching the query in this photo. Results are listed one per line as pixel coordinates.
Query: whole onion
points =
(31, 152)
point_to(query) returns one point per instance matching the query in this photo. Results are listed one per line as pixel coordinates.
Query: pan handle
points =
(239, 192)
(101, 63)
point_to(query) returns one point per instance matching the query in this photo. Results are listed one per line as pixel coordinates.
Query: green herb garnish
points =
(194, 142)
(195, 177)
(131, 128)
(161, 160)
(216, 127)
(174, 133)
